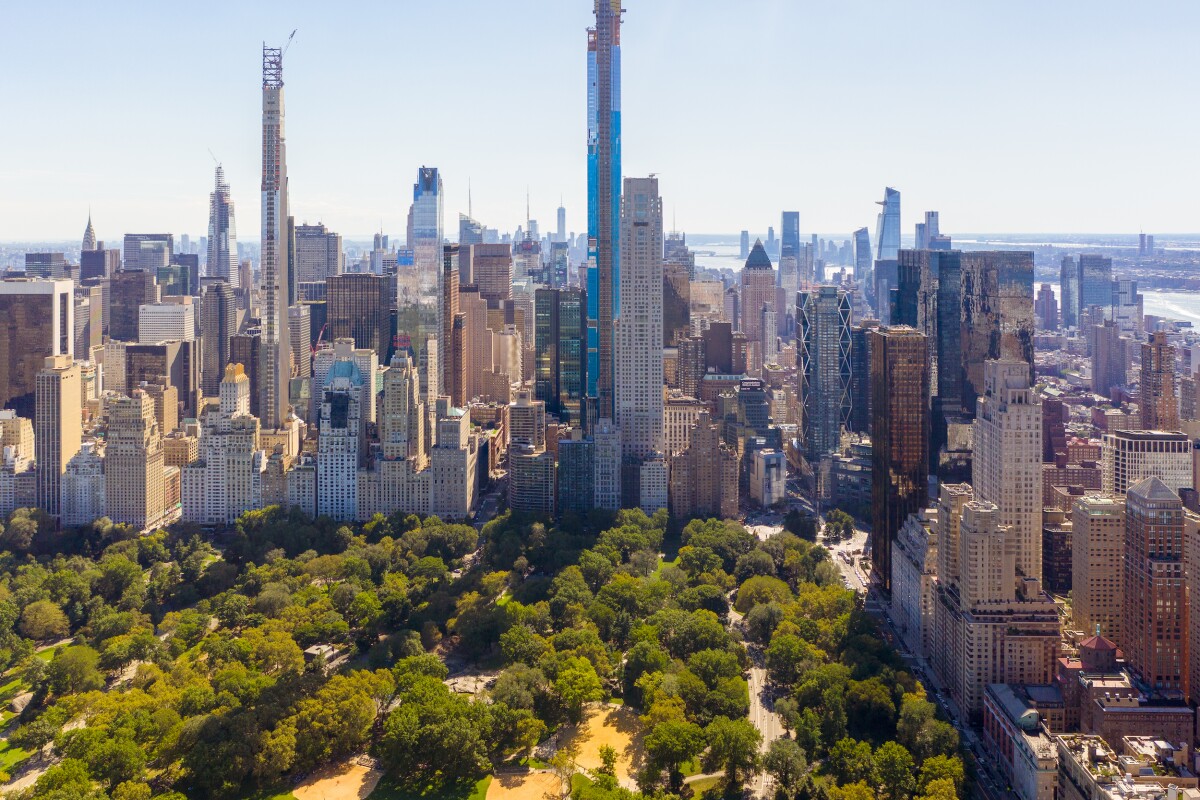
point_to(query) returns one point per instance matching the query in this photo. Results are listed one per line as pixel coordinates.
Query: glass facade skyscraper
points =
(824, 368)
(222, 233)
(560, 369)
(276, 342)
(604, 182)
(887, 232)
(419, 286)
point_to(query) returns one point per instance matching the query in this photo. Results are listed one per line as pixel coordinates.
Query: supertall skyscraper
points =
(276, 344)
(604, 207)
(887, 230)
(222, 233)
(419, 288)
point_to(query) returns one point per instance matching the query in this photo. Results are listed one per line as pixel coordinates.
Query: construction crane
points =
(288, 43)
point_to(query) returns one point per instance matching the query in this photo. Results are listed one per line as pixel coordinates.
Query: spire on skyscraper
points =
(89, 234)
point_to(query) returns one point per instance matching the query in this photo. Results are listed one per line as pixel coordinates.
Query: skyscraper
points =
(639, 396)
(561, 234)
(37, 320)
(318, 253)
(134, 483)
(358, 307)
(1068, 282)
(1155, 603)
(1159, 401)
(823, 367)
(218, 322)
(1008, 457)
(419, 288)
(340, 444)
(559, 347)
(758, 291)
(862, 254)
(887, 229)
(222, 233)
(58, 428)
(604, 202)
(147, 251)
(454, 356)
(997, 314)
(899, 437)
(1095, 281)
(89, 235)
(1097, 548)
(274, 252)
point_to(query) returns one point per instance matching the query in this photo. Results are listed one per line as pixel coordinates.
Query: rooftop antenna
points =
(470, 213)
(527, 217)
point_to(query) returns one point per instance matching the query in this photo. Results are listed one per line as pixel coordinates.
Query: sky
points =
(1006, 117)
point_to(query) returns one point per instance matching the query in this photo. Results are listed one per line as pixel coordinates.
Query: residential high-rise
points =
(1097, 580)
(791, 252)
(246, 349)
(83, 499)
(1159, 400)
(1068, 283)
(639, 371)
(454, 356)
(560, 330)
(1127, 457)
(300, 333)
(275, 255)
(899, 437)
(862, 254)
(358, 307)
(561, 234)
(128, 291)
(134, 472)
(531, 480)
(823, 367)
(341, 441)
(318, 253)
(402, 414)
(1153, 629)
(1007, 466)
(606, 465)
(1109, 363)
(997, 314)
(58, 428)
(860, 375)
(758, 292)
(574, 476)
(704, 476)
(676, 302)
(604, 202)
(222, 233)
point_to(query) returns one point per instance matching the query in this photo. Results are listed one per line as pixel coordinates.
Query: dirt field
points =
(530, 786)
(619, 728)
(344, 782)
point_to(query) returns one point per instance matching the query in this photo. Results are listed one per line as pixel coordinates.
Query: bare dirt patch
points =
(347, 781)
(523, 786)
(619, 728)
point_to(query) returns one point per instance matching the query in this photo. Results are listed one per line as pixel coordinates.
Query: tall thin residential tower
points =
(604, 208)
(222, 233)
(276, 344)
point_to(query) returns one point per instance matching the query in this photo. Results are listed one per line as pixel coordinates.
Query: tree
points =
(788, 657)
(870, 710)
(785, 761)
(733, 746)
(761, 589)
(337, 720)
(803, 525)
(672, 744)
(940, 789)
(42, 620)
(941, 767)
(895, 767)
(74, 669)
(851, 760)
(578, 684)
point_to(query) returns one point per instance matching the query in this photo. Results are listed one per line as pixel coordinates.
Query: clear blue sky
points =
(1013, 116)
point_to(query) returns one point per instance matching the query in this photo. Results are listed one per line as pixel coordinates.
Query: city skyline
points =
(354, 145)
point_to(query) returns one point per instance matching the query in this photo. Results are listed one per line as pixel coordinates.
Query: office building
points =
(860, 376)
(492, 270)
(300, 334)
(862, 254)
(768, 477)
(677, 301)
(823, 368)
(899, 437)
(169, 362)
(1068, 284)
(147, 252)
(887, 226)
(757, 293)
(98, 263)
(604, 201)
(997, 314)
(275, 256)
(89, 320)
(129, 290)
(222, 233)
(47, 266)
(1108, 359)
(89, 235)
(37, 321)
(160, 321)
(1153, 629)
(639, 370)
(358, 308)
(560, 341)
(419, 298)
(470, 231)
(134, 472)
(1008, 457)
(227, 478)
(1045, 309)
(1095, 281)
(1128, 456)
(318, 254)
(246, 349)
(57, 428)
(1158, 398)
(1097, 578)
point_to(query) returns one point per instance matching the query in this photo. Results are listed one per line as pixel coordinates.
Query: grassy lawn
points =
(704, 784)
(11, 687)
(662, 562)
(47, 654)
(388, 789)
(11, 756)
